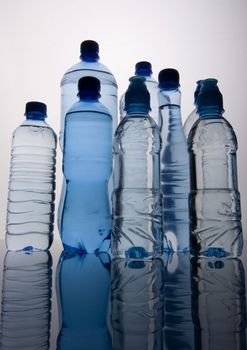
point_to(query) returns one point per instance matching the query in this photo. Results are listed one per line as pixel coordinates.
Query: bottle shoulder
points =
(212, 132)
(83, 106)
(96, 67)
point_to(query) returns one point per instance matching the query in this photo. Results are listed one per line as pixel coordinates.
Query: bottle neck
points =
(35, 116)
(137, 108)
(89, 58)
(213, 112)
(169, 98)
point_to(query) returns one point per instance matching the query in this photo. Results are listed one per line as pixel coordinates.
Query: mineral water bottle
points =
(178, 331)
(215, 213)
(192, 118)
(144, 69)
(30, 211)
(83, 285)
(175, 170)
(87, 165)
(218, 303)
(89, 65)
(137, 304)
(137, 211)
(26, 300)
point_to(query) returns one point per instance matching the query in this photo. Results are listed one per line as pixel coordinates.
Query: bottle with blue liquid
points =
(215, 211)
(193, 117)
(30, 210)
(137, 207)
(174, 160)
(87, 165)
(83, 291)
(144, 69)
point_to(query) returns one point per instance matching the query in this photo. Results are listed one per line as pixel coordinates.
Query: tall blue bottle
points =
(31, 196)
(137, 211)
(87, 163)
(144, 69)
(83, 287)
(174, 165)
(89, 65)
(214, 199)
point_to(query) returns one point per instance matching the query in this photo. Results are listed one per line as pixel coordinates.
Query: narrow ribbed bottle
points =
(87, 165)
(175, 170)
(30, 210)
(137, 210)
(193, 117)
(26, 301)
(83, 287)
(215, 212)
(144, 69)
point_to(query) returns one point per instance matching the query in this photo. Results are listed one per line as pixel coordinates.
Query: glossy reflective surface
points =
(68, 301)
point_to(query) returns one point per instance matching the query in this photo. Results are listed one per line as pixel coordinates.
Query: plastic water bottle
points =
(137, 211)
(30, 211)
(216, 228)
(218, 303)
(144, 69)
(193, 117)
(89, 65)
(87, 165)
(84, 287)
(178, 331)
(175, 170)
(137, 304)
(26, 300)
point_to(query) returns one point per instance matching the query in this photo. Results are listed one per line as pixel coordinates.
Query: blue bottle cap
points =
(168, 79)
(209, 101)
(143, 68)
(89, 88)
(89, 50)
(35, 110)
(137, 97)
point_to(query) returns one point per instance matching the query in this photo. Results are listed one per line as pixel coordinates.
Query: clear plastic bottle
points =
(137, 304)
(215, 211)
(87, 165)
(136, 200)
(89, 65)
(193, 117)
(144, 69)
(175, 170)
(218, 303)
(26, 300)
(30, 210)
(83, 291)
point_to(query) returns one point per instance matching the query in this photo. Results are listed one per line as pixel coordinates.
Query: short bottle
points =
(193, 117)
(137, 210)
(215, 212)
(144, 69)
(30, 210)
(87, 165)
(175, 172)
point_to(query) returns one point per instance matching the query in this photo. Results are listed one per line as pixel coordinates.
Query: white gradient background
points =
(39, 40)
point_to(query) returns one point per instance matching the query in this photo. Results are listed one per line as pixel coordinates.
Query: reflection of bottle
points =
(178, 331)
(137, 304)
(136, 200)
(26, 302)
(219, 306)
(83, 285)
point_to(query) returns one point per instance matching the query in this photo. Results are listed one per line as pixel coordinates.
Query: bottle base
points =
(29, 242)
(136, 253)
